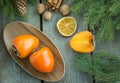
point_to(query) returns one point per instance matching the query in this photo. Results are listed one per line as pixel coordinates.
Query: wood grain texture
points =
(10, 72)
(50, 29)
(33, 16)
(18, 28)
(110, 46)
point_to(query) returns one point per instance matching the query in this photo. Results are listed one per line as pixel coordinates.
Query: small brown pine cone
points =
(21, 6)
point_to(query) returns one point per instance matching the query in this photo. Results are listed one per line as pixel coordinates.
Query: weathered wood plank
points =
(71, 74)
(110, 46)
(9, 70)
(33, 16)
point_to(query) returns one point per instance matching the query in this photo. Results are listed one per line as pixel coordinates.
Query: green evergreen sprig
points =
(102, 16)
(103, 65)
(8, 9)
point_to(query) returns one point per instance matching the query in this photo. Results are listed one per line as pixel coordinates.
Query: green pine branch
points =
(103, 65)
(102, 16)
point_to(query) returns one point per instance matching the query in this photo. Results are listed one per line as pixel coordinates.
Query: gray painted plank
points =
(33, 16)
(110, 46)
(62, 43)
(10, 72)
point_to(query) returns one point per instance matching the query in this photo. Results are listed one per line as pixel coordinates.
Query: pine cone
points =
(21, 6)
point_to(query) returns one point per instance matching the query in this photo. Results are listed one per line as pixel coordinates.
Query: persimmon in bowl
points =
(27, 45)
(15, 29)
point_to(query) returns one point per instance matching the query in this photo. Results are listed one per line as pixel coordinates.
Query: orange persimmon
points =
(42, 60)
(82, 42)
(25, 44)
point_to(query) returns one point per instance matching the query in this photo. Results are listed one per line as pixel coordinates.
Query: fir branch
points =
(105, 66)
(107, 30)
(78, 6)
(1, 3)
(117, 26)
(113, 9)
(8, 9)
(102, 14)
(87, 65)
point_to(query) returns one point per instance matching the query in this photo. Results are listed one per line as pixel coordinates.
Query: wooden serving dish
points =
(14, 29)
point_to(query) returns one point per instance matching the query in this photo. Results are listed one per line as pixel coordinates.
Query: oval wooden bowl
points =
(14, 29)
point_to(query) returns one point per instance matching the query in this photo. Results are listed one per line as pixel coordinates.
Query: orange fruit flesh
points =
(66, 26)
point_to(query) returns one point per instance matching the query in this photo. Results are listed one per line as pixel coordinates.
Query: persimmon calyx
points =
(15, 51)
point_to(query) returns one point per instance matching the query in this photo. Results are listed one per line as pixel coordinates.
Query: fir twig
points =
(101, 16)
(105, 67)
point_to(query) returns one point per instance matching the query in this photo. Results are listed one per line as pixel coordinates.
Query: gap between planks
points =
(41, 23)
(41, 28)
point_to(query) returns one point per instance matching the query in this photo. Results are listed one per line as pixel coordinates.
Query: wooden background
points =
(10, 72)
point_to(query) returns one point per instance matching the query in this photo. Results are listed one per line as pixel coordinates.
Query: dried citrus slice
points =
(67, 26)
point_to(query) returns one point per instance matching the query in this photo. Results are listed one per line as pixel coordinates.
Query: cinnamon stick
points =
(48, 6)
(58, 4)
(55, 2)
(50, 2)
